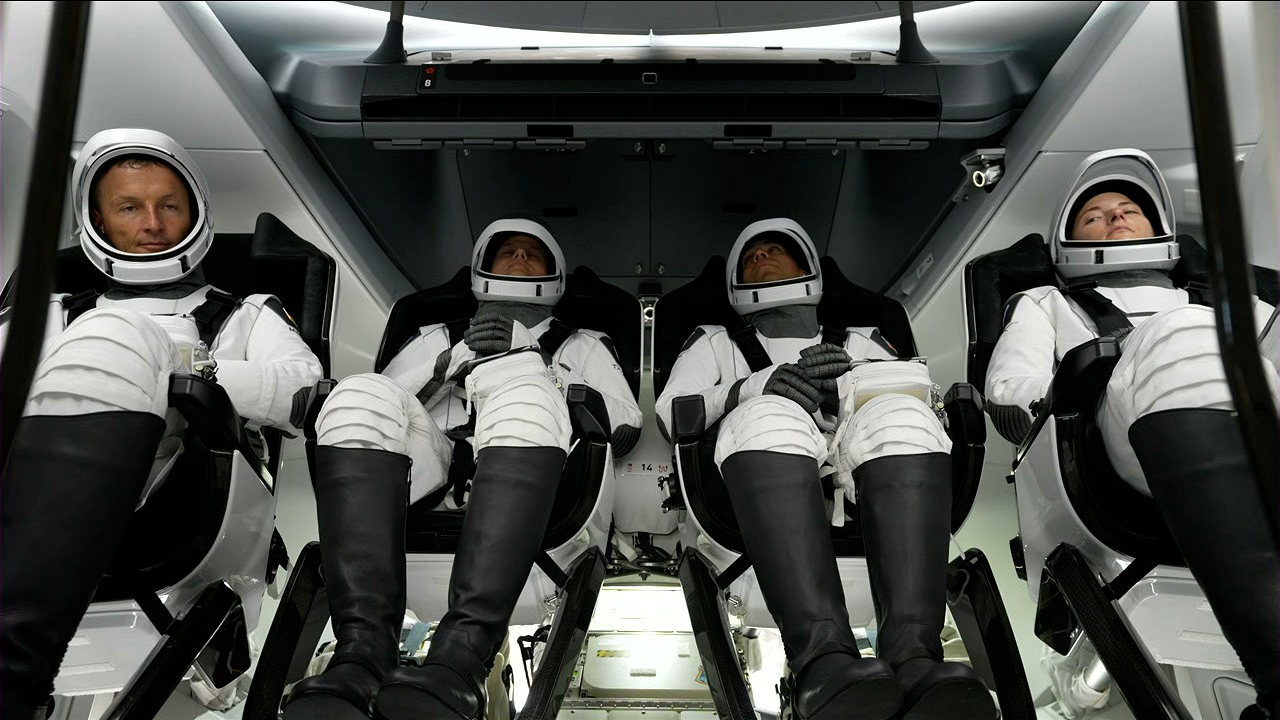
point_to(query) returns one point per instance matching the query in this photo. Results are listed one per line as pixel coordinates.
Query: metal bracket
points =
(985, 167)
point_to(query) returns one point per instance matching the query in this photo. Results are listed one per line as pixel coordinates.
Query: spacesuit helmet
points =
(748, 298)
(540, 289)
(1131, 173)
(104, 151)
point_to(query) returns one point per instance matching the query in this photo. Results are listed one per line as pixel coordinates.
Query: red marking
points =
(430, 70)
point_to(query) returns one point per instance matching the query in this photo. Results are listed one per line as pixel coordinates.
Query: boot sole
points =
(956, 699)
(408, 703)
(870, 699)
(322, 707)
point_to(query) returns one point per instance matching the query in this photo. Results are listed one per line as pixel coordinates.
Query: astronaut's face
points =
(521, 255)
(142, 208)
(1111, 216)
(768, 261)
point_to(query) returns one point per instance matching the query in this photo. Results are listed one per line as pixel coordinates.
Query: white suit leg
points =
(891, 424)
(517, 405)
(109, 360)
(770, 423)
(1170, 361)
(112, 360)
(373, 412)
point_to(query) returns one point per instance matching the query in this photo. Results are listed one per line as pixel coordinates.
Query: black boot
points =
(69, 490)
(904, 502)
(1195, 464)
(512, 493)
(777, 500)
(362, 500)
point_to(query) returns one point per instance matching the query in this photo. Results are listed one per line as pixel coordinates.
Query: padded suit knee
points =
(517, 405)
(1172, 361)
(108, 360)
(372, 412)
(773, 424)
(892, 425)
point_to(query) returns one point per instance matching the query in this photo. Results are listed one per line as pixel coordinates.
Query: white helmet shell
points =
(747, 298)
(1132, 172)
(540, 290)
(140, 268)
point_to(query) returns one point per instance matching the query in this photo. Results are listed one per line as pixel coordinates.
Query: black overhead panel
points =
(595, 201)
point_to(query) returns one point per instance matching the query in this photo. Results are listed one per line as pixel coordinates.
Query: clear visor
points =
(119, 200)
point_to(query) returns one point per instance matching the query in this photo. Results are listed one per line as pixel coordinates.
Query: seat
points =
(1087, 538)
(571, 568)
(715, 559)
(189, 576)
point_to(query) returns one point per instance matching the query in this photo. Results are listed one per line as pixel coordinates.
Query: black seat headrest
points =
(1193, 267)
(588, 303)
(705, 301)
(272, 261)
(701, 301)
(451, 302)
(593, 304)
(845, 304)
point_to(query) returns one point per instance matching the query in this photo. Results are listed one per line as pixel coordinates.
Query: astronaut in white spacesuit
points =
(1166, 416)
(383, 445)
(804, 406)
(97, 435)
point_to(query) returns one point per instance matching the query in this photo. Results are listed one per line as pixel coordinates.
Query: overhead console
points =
(548, 98)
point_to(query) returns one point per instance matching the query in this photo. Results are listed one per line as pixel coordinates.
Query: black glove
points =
(790, 382)
(488, 335)
(823, 364)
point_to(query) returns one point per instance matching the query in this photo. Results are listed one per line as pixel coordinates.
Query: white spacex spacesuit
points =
(884, 408)
(376, 430)
(1167, 417)
(116, 351)
(1170, 345)
(791, 397)
(97, 434)
(416, 400)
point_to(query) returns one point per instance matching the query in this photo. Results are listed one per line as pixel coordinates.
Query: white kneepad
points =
(773, 424)
(108, 360)
(1171, 361)
(891, 424)
(516, 404)
(366, 411)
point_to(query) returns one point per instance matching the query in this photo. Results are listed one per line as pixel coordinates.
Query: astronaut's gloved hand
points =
(823, 364)
(786, 381)
(491, 334)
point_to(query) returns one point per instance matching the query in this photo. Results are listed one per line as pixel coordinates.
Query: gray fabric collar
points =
(787, 321)
(1134, 278)
(528, 314)
(180, 288)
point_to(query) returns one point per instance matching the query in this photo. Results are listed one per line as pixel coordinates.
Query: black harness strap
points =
(552, 570)
(213, 313)
(79, 304)
(1198, 293)
(1129, 577)
(555, 336)
(835, 336)
(751, 347)
(733, 572)
(1111, 320)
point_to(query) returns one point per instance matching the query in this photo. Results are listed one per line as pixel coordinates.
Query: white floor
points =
(991, 524)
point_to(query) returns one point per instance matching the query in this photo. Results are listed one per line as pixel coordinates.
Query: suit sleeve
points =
(697, 372)
(272, 383)
(1021, 367)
